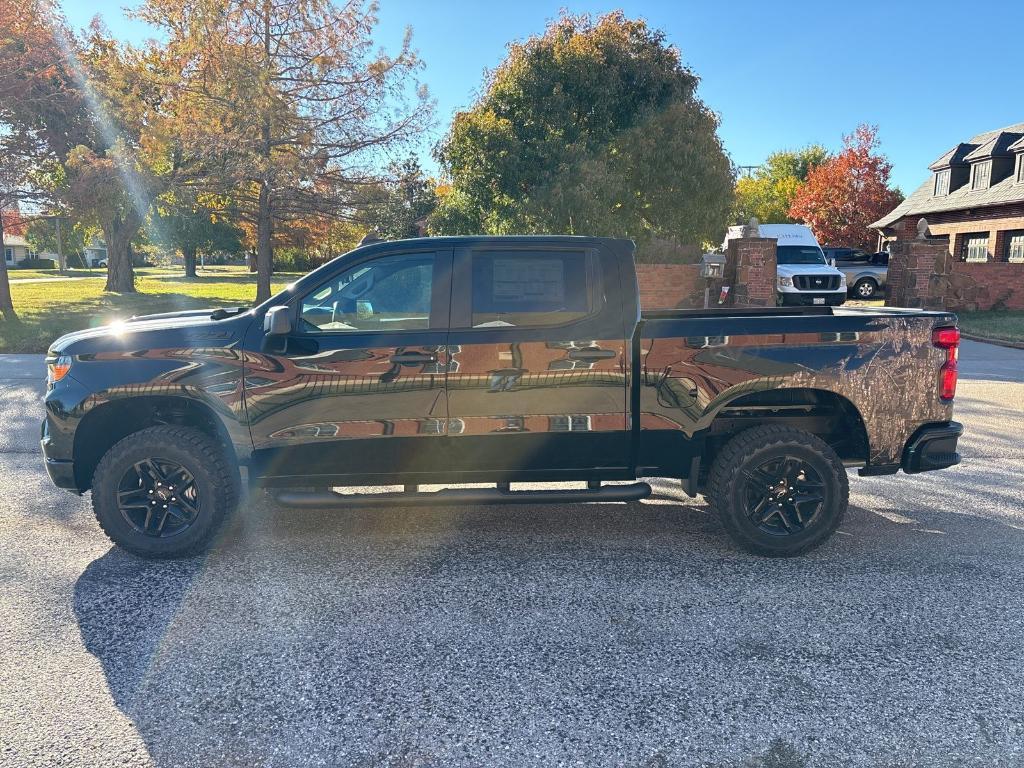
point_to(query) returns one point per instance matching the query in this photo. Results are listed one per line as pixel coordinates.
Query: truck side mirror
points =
(277, 322)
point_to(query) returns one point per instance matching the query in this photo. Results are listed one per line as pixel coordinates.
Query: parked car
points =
(98, 263)
(493, 360)
(865, 272)
(804, 275)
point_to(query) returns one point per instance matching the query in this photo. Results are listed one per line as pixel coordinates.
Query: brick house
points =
(974, 198)
(974, 205)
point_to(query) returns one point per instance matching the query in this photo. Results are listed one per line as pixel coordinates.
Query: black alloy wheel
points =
(784, 495)
(158, 497)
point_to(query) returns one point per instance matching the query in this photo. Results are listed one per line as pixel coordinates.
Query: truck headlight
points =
(57, 368)
(842, 280)
(785, 281)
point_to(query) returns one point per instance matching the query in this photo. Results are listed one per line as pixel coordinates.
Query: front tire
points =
(164, 491)
(778, 491)
(865, 288)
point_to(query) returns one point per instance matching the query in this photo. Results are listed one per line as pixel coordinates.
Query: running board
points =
(321, 499)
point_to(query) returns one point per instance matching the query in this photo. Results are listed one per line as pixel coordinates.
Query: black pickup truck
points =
(493, 360)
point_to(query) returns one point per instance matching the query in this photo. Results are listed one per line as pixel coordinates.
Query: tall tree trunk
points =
(6, 304)
(264, 249)
(189, 254)
(118, 235)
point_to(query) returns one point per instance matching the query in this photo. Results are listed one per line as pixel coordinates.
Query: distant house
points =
(17, 249)
(974, 198)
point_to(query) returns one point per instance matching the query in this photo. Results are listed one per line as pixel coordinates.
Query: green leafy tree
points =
(398, 207)
(194, 229)
(593, 127)
(74, 235)
(770, 191)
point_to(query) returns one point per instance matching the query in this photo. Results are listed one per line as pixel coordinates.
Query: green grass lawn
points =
(26, 274)
(50, 309)
(1005, 325)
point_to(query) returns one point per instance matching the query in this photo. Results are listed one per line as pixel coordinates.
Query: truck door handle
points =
(411, 358)
(591, 353)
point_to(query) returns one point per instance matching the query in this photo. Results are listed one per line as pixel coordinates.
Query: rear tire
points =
(778, 491)
(164, 491)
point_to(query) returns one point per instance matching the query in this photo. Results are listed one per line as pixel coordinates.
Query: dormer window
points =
(980, 174)
(941, 183)
(1020, 168)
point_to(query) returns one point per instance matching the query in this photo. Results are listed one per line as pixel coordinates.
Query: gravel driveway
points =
(617, 635)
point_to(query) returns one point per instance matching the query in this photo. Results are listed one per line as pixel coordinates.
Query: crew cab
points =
(493, 360)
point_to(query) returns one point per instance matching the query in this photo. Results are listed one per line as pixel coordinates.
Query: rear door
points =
(357, 389)
(538, 361)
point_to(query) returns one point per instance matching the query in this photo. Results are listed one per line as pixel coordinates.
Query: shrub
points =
(37, 264)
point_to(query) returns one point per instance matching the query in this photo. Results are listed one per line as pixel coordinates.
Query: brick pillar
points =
(750, 271)
(918, 274)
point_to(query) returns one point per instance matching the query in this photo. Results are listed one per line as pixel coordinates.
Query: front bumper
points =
(61, 471)
(932, 447)
(807, 298)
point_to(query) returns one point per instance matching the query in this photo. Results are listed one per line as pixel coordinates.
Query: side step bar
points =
(500, 495)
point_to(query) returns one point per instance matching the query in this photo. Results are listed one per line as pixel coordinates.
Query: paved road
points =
(621, 635)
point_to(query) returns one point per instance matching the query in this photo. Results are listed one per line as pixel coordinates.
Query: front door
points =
(537, 378)
(358, 389)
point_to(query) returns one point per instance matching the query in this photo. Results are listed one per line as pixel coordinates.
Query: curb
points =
(997, 342)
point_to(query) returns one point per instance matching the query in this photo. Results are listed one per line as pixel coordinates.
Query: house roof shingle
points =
(921, 201)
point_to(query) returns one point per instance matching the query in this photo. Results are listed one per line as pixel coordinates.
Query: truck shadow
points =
(435, 636)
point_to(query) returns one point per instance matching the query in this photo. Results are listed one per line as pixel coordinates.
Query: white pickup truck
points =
(804, 275)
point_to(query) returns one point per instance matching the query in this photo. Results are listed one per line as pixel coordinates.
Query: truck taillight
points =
(949, 340)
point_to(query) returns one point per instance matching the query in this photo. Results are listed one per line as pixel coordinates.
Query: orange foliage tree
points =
(846, 193)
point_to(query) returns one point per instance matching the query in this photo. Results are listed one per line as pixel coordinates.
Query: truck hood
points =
(171, 329)
(806, 269)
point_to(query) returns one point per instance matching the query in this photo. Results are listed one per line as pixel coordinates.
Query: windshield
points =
(801, 254)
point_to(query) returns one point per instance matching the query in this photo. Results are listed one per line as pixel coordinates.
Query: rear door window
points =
(531, 288)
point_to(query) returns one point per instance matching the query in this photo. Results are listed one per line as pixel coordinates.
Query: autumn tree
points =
(289, 102)
(768, 193)
(93, 104)
(592, 127)
(33, 86)
(846, 193)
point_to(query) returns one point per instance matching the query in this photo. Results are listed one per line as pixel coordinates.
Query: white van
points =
(803, 274)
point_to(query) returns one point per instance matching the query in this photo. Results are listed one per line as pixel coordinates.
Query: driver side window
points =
(392, 293)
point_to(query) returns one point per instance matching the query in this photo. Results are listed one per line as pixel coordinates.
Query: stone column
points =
(750, 271)
(918, 272)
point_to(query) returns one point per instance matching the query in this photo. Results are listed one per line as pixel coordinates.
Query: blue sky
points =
(780, 74)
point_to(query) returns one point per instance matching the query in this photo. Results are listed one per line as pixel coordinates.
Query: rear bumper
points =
(806, 298)
(932, 447)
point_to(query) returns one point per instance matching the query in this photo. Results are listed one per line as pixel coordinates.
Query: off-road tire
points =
(216, 480)
(750, 449)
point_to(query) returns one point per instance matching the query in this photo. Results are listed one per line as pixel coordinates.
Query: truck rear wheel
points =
(778, 491)
(163, 491)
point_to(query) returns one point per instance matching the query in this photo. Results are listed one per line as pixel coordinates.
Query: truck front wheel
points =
(778, 491)
(164, 491)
